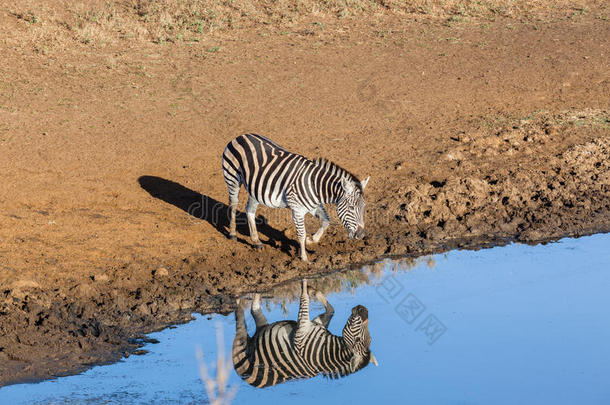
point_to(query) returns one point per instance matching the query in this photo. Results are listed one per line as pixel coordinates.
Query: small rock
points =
(143, 309)
(101, 277)
(25, 284)
(160, 272)
(85, 290)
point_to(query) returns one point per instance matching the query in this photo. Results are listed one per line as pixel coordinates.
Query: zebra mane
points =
(341, 172)
(335, 375)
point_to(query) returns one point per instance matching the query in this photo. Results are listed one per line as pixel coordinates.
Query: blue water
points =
(508, 325)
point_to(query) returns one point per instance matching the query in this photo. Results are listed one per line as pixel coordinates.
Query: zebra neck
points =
(326, 186)
(345, 350)
(319, 182)
(340, 363)
(337, 191)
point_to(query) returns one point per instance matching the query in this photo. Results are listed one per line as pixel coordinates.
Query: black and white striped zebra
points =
(288, 350)
(277, 178)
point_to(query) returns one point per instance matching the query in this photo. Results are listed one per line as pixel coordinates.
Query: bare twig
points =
(216, 387)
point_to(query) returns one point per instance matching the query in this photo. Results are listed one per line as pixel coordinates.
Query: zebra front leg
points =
(324, 319)
(303, 317)
(251, 214)
(321, 214)
(298, 218)
(256, 312)
(303, 322)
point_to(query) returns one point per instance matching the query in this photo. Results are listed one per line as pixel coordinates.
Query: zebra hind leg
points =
(256, 312)
(240, 342)
(251, 214)
(240, 322)
(233, 201)
(321, 214)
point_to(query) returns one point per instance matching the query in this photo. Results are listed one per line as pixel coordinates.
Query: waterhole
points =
(511, 324)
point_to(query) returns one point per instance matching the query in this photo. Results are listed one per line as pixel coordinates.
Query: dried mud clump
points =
(518, 193)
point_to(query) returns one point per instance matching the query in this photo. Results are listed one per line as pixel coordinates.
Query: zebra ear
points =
(347, 185)
(365, 182)
(374, 360)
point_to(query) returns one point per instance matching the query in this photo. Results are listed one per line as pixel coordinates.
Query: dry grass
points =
(344, 281)
(102, 22)
(217, 386)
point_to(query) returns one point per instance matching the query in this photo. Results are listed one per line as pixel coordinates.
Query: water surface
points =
(512, 324)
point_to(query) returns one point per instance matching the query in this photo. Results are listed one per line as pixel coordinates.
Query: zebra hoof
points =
(257, 246)
(233, 237)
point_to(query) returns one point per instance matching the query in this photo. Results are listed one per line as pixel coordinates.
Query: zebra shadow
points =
(202, 207)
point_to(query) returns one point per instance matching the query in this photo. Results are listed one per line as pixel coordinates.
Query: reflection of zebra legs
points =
(240, 342)
(241, 360)
(256, 312)
(324, 318)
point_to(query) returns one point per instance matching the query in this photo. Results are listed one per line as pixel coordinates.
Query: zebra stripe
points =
(288, 350)
(278, 178)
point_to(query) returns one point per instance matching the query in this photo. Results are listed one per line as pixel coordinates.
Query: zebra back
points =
(267, 170)
(264, 168)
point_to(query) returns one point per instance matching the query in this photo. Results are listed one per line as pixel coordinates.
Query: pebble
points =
(161, 272)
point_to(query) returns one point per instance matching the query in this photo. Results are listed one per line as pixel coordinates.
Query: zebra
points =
(288, 350)
(278, 178)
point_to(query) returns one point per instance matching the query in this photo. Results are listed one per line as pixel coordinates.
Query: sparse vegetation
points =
(102, 22)
(217, 386)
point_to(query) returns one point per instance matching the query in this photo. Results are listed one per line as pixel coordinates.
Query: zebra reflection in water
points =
(288, 350)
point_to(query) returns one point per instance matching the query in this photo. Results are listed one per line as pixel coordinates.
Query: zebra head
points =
(350, 206)
(357, 338)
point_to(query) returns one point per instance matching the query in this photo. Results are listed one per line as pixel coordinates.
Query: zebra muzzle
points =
(361, 311)
(359, 233)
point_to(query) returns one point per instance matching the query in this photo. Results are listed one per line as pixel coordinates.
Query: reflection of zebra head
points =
(356, 336)
(350, 207)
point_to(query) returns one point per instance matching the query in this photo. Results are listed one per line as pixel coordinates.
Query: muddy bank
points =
(536, 198)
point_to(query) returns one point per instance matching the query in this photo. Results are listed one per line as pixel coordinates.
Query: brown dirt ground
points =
(113, 219)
